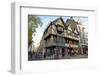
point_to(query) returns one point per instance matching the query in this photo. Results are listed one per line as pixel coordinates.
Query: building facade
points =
(62, 39)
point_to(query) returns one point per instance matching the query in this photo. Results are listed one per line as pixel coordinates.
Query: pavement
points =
(77, 56)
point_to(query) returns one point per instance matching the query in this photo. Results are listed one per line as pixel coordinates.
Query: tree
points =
(33, 23)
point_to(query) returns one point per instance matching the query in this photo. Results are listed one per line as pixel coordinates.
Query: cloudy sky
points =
(47, 19)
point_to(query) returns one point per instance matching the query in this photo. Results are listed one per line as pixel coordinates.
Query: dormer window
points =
(60, 29)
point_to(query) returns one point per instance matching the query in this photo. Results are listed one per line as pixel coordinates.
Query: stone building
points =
(61, 39)
(84, 42)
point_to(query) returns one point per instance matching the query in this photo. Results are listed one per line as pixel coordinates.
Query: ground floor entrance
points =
(55, 52)
(73, 51)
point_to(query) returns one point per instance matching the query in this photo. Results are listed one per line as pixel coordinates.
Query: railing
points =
(72, 45)
(54, 43)
(72, 37)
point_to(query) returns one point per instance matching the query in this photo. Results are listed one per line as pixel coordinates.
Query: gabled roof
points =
(54, 22)
(59, 20)
(69, 22)
(73, 25)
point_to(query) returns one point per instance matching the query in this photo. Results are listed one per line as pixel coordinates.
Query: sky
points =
(47, 19)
